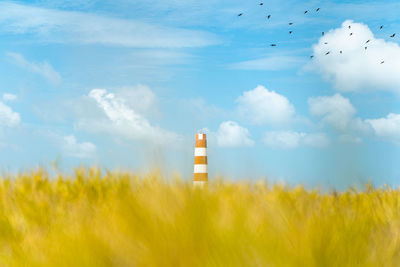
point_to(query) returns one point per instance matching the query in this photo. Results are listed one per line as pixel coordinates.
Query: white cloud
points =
(292, 140)
(77, 27)
(335, 110)
(123, 121)
(357, 69)
(72, 148)
(271, 63)
(261, 106)
(387, 128)
(231, 134)
(9, 97)
(44, 69)
(338, 112)
(8, 117)
(140, 98)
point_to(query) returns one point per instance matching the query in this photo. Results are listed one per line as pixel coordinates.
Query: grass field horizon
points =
(111, 218)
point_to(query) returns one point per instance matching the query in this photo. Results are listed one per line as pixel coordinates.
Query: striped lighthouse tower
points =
(200, 173)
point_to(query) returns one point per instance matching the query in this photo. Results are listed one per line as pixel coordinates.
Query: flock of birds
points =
(268, 17)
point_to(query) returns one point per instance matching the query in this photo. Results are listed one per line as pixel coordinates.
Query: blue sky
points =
(127, 84)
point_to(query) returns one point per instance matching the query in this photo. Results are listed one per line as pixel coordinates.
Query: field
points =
(92, 218)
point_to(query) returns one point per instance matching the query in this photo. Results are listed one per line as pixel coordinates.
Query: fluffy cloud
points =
(8, 117)
(292, 140)
(122, 120)
(231, 134)
(72, 148)
(338, 112)
(43, 69)
(357, 69)
(140, 98)
(261, 106)
(387, 128)
(335, 110)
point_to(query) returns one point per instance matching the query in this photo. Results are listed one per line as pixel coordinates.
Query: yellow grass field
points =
(121, 219)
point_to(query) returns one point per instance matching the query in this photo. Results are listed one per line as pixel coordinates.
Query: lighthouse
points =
(200, 173)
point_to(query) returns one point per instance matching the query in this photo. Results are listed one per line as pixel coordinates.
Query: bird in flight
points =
(261, 3)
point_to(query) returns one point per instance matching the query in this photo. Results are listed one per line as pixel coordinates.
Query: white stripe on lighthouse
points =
(200, 151)
(200, 168)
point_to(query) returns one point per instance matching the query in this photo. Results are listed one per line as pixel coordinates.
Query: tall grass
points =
(120, 219)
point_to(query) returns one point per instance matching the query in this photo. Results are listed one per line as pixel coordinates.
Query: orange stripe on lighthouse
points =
(200, 160)
(200, 172)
